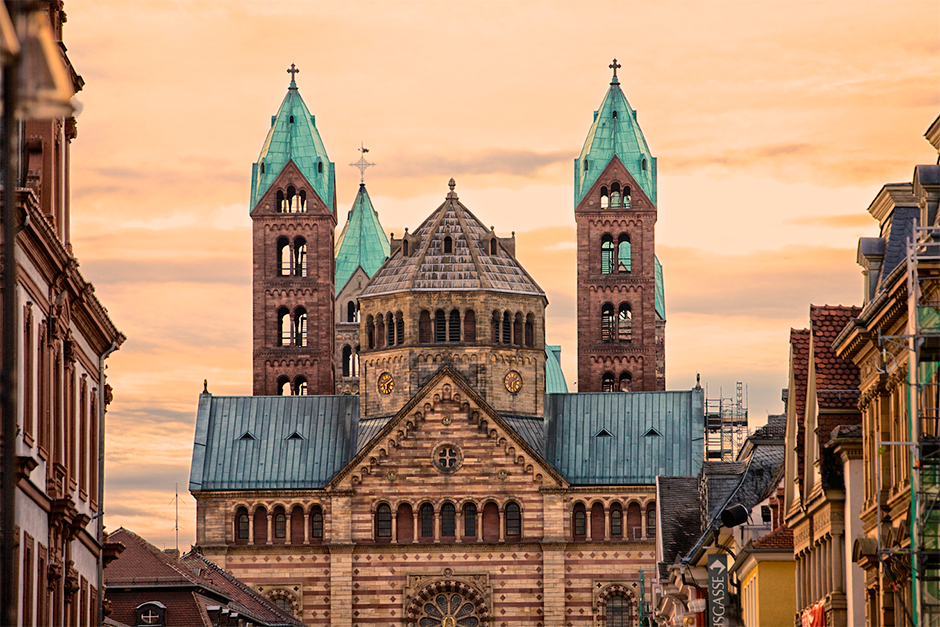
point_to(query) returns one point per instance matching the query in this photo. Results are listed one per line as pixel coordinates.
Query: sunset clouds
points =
(774, 124)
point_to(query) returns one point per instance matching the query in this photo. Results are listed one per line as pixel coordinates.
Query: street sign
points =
(718, 590)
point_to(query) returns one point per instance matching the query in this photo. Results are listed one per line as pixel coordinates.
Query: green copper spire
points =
(615, 131)
(293, 136)
(362, 242)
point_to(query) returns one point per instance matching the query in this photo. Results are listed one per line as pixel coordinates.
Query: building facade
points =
(450, 479)
(64, 336)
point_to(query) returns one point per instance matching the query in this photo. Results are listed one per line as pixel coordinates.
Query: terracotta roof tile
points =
(779, 538)
(799, 365)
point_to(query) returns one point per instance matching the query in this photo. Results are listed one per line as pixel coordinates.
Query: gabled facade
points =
(822, 501)
(621, 314)
(293, 212)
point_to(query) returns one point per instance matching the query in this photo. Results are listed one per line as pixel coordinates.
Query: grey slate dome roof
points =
(468, 267)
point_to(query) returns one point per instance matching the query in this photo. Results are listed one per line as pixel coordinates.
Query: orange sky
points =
(774, 123)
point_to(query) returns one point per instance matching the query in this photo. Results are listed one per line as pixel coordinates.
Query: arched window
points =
(316, 523)
(448, 245)
(300, 327)
(283, 257)
(261, 526)
(607, 382)
(624, 261)
(493, 246)
(297, 525)
(300, 257)
(597, 521)
(626, 197)
(634, 522)
(352, 311)
(615, 114)
(390, 329)
(579, 522)
(354, 363)
(399, 328)
(624, 323)
(453, 327)
(440, 326)
(448, 520)
(651, 520)
(530, 331)
(644, 163)
(283, 327)
(427, 521)
(300, 386)
(379, 331)
(242, 526)
(615, 195)
(383, 522)
(404, 248)
(507, 328)
(618, 611)
(347, 360)
(424, 327)
(291, 119)
(585, 165)
(491, 522)
(616, 520)
(291, 199)
(605, 198)
(370, 331)
(405, 524)
(517, 326)
(513, 520)
(320, 167)
(469, 326)
(626, 382)
(280, 524)
(283, 386)
(607, 254)
(470, 520)
(607, 323)
(495, 327)
(281, 205)
(262, 167)
(303, 200)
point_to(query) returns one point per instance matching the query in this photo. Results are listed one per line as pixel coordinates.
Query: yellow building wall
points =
(776, 595)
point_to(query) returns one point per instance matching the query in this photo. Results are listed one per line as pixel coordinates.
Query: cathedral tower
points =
(293, 212)
(621, 315)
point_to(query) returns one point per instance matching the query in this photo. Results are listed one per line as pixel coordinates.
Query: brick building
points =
(440, 473)
(64, 335)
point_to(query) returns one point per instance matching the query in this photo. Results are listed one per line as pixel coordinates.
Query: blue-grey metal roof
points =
(225, 458)
(576, 447)
(554, 376)
(532, 430)
(368, 428)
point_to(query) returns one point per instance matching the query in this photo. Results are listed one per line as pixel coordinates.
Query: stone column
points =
(306, 527)
(837, 563)
(251, 529)
(502, 526)
(798, 581)
(341, 605)
(606, 523)
(458, 525)
(270, 524)
(642, 523)
(553, 576)
(415, 516)
(437, 526)
(587, 523)
(394, 527)
(479, 530)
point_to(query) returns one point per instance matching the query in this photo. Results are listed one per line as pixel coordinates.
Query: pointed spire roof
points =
(362, 242)
(293, 136)
(468, 267)
(615, 131)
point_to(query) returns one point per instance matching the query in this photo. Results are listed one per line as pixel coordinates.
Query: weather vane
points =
(362, 164)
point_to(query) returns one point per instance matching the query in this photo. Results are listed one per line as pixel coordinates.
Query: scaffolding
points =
(921, 342)
(725, 424)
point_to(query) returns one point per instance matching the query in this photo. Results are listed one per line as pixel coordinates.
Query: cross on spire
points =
(292, 70)
(362, 164)
(614, 66)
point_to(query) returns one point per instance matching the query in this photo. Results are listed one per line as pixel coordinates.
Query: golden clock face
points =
(386, 383)
(512, 381)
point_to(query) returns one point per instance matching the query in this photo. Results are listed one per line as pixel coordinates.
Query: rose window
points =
(447, 457)
(448, 610)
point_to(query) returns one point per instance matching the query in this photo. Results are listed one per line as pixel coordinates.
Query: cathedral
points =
(411, 454)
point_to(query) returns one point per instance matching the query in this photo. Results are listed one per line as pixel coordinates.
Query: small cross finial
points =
(614, 66)
(362, 164)
(292, 70)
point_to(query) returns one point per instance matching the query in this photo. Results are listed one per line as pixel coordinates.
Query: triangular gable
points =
(291, 174)
(447, 386)
(615, 168)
